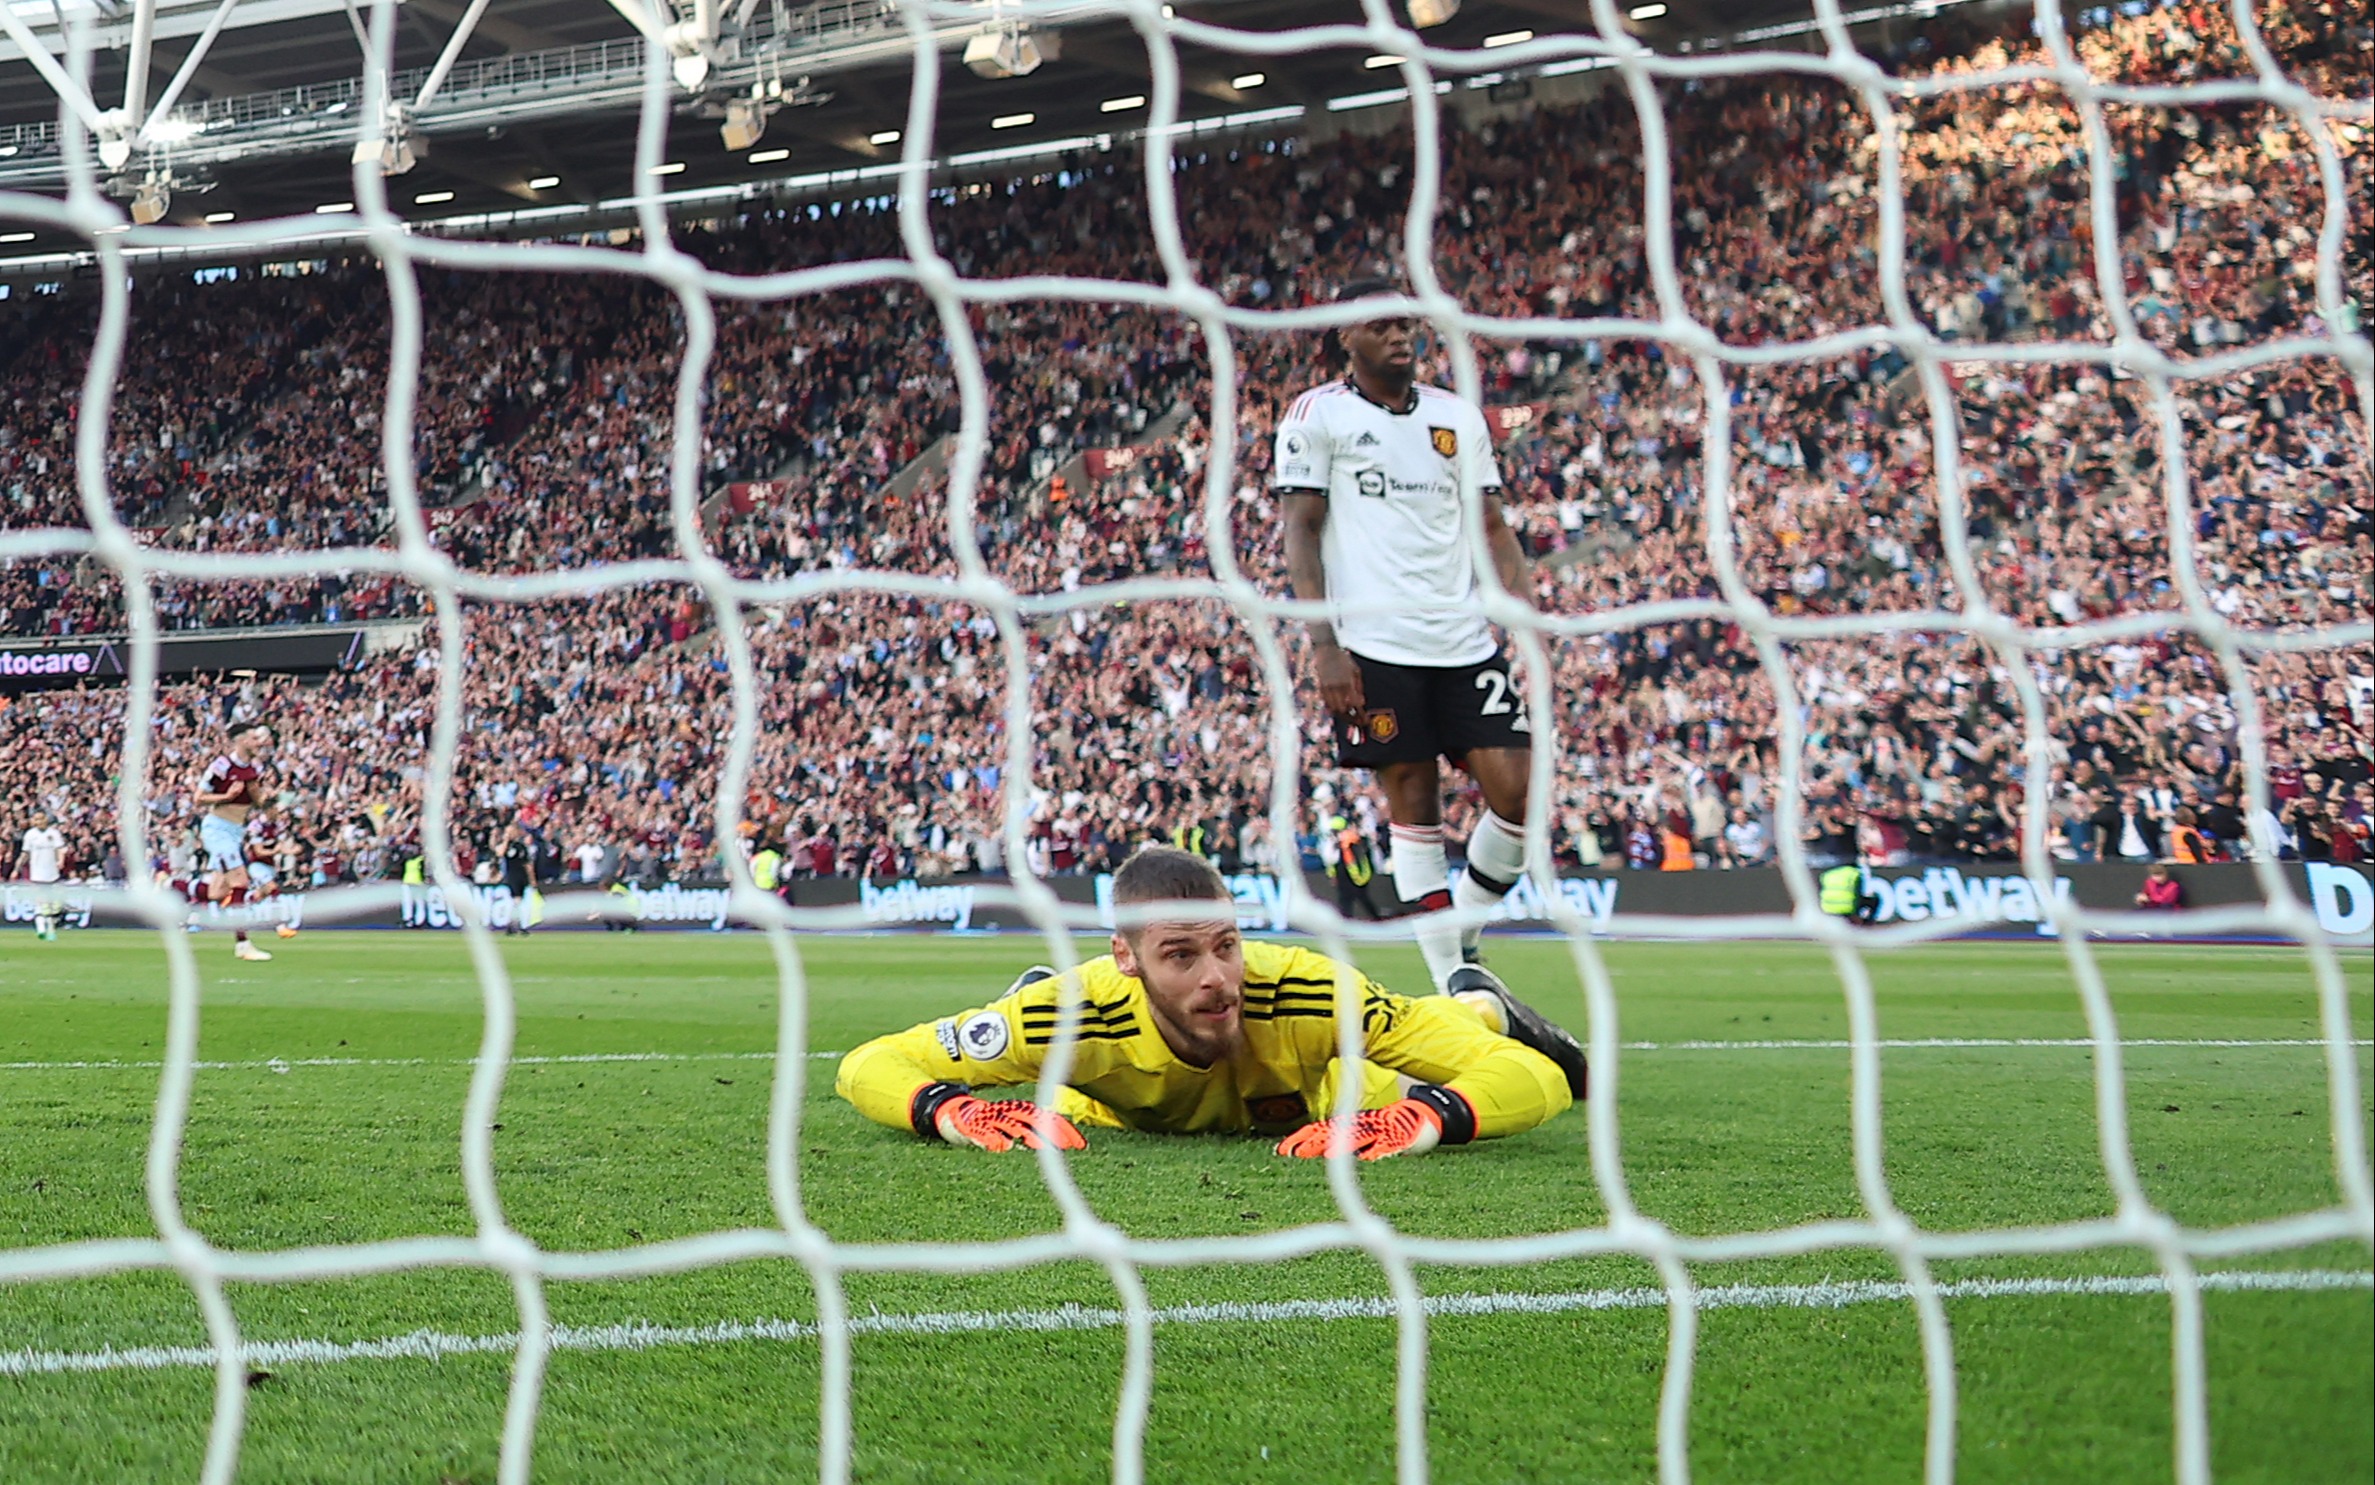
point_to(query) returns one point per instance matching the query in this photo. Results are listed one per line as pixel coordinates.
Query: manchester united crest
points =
(1381, 725)
(1447, 441)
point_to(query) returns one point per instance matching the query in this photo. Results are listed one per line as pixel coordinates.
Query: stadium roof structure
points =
(526, 109)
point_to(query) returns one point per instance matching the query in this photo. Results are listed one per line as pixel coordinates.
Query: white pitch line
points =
(285, 1064)
(1923, 1043)
(430, 1345)
(1899, 1044)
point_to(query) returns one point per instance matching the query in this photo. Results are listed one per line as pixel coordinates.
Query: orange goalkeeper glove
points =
(951, 1112)
(1430, 1116)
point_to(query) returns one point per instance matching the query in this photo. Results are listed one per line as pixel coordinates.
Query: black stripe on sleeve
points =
(1037, 1021)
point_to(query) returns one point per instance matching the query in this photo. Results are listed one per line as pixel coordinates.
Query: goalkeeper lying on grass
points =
(1186, 1028)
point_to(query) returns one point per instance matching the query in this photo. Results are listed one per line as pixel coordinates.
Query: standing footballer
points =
(225, 795)
(1369, 468)
(45, 854)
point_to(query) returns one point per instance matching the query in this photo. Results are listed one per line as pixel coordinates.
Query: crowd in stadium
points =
(881, 741)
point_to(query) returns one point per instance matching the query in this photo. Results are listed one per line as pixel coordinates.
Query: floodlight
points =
(1003, 53)
(397, 153)
(151, 201)
(1425, 13)
(746, 121)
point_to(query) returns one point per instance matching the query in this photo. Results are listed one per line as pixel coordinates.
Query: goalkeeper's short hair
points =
(1167, 874)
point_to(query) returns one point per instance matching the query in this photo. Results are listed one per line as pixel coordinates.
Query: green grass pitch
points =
(2055, 1385)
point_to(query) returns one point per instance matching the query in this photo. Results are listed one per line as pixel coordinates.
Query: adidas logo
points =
(1365, 441)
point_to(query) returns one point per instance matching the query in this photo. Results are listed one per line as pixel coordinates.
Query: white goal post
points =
(413, 554)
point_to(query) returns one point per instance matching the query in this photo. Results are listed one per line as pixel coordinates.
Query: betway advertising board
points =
(1990, 901)
(1979, 900)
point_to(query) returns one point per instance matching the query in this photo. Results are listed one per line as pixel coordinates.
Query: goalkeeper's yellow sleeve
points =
(1087, 1112)
(1435, 1039)
(999, 1045)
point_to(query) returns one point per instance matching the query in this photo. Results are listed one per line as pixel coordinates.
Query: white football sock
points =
(1496, 859)
(1487, 1007)
(1423, 879)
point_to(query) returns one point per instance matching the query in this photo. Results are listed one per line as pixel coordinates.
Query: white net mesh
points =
(1716, 363)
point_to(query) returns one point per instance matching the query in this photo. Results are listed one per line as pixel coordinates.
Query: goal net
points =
(2111, 340)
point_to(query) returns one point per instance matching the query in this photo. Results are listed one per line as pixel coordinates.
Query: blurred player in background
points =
(263, 875)
(226, 795)
(45, 858)
(517, 864)
(1369, 469)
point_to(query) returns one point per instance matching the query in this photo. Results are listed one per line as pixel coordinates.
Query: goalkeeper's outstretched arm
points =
(923, 1079)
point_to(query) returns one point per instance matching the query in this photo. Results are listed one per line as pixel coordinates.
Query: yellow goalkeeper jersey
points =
(1125, 1076)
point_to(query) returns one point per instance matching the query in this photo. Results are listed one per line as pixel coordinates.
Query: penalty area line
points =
(430, 1345)
(1827, 1044)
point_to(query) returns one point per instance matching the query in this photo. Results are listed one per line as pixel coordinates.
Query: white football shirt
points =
(1394, 542)
(45, 847)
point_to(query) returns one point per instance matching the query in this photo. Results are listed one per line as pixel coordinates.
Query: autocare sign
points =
(301, 649)
(28, 667)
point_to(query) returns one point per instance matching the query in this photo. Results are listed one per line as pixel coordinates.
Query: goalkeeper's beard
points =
(1206, 1029)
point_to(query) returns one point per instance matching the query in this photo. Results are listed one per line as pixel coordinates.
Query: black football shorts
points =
(1411, 713)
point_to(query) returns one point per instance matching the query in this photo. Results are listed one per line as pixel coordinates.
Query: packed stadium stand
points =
(248, 418)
